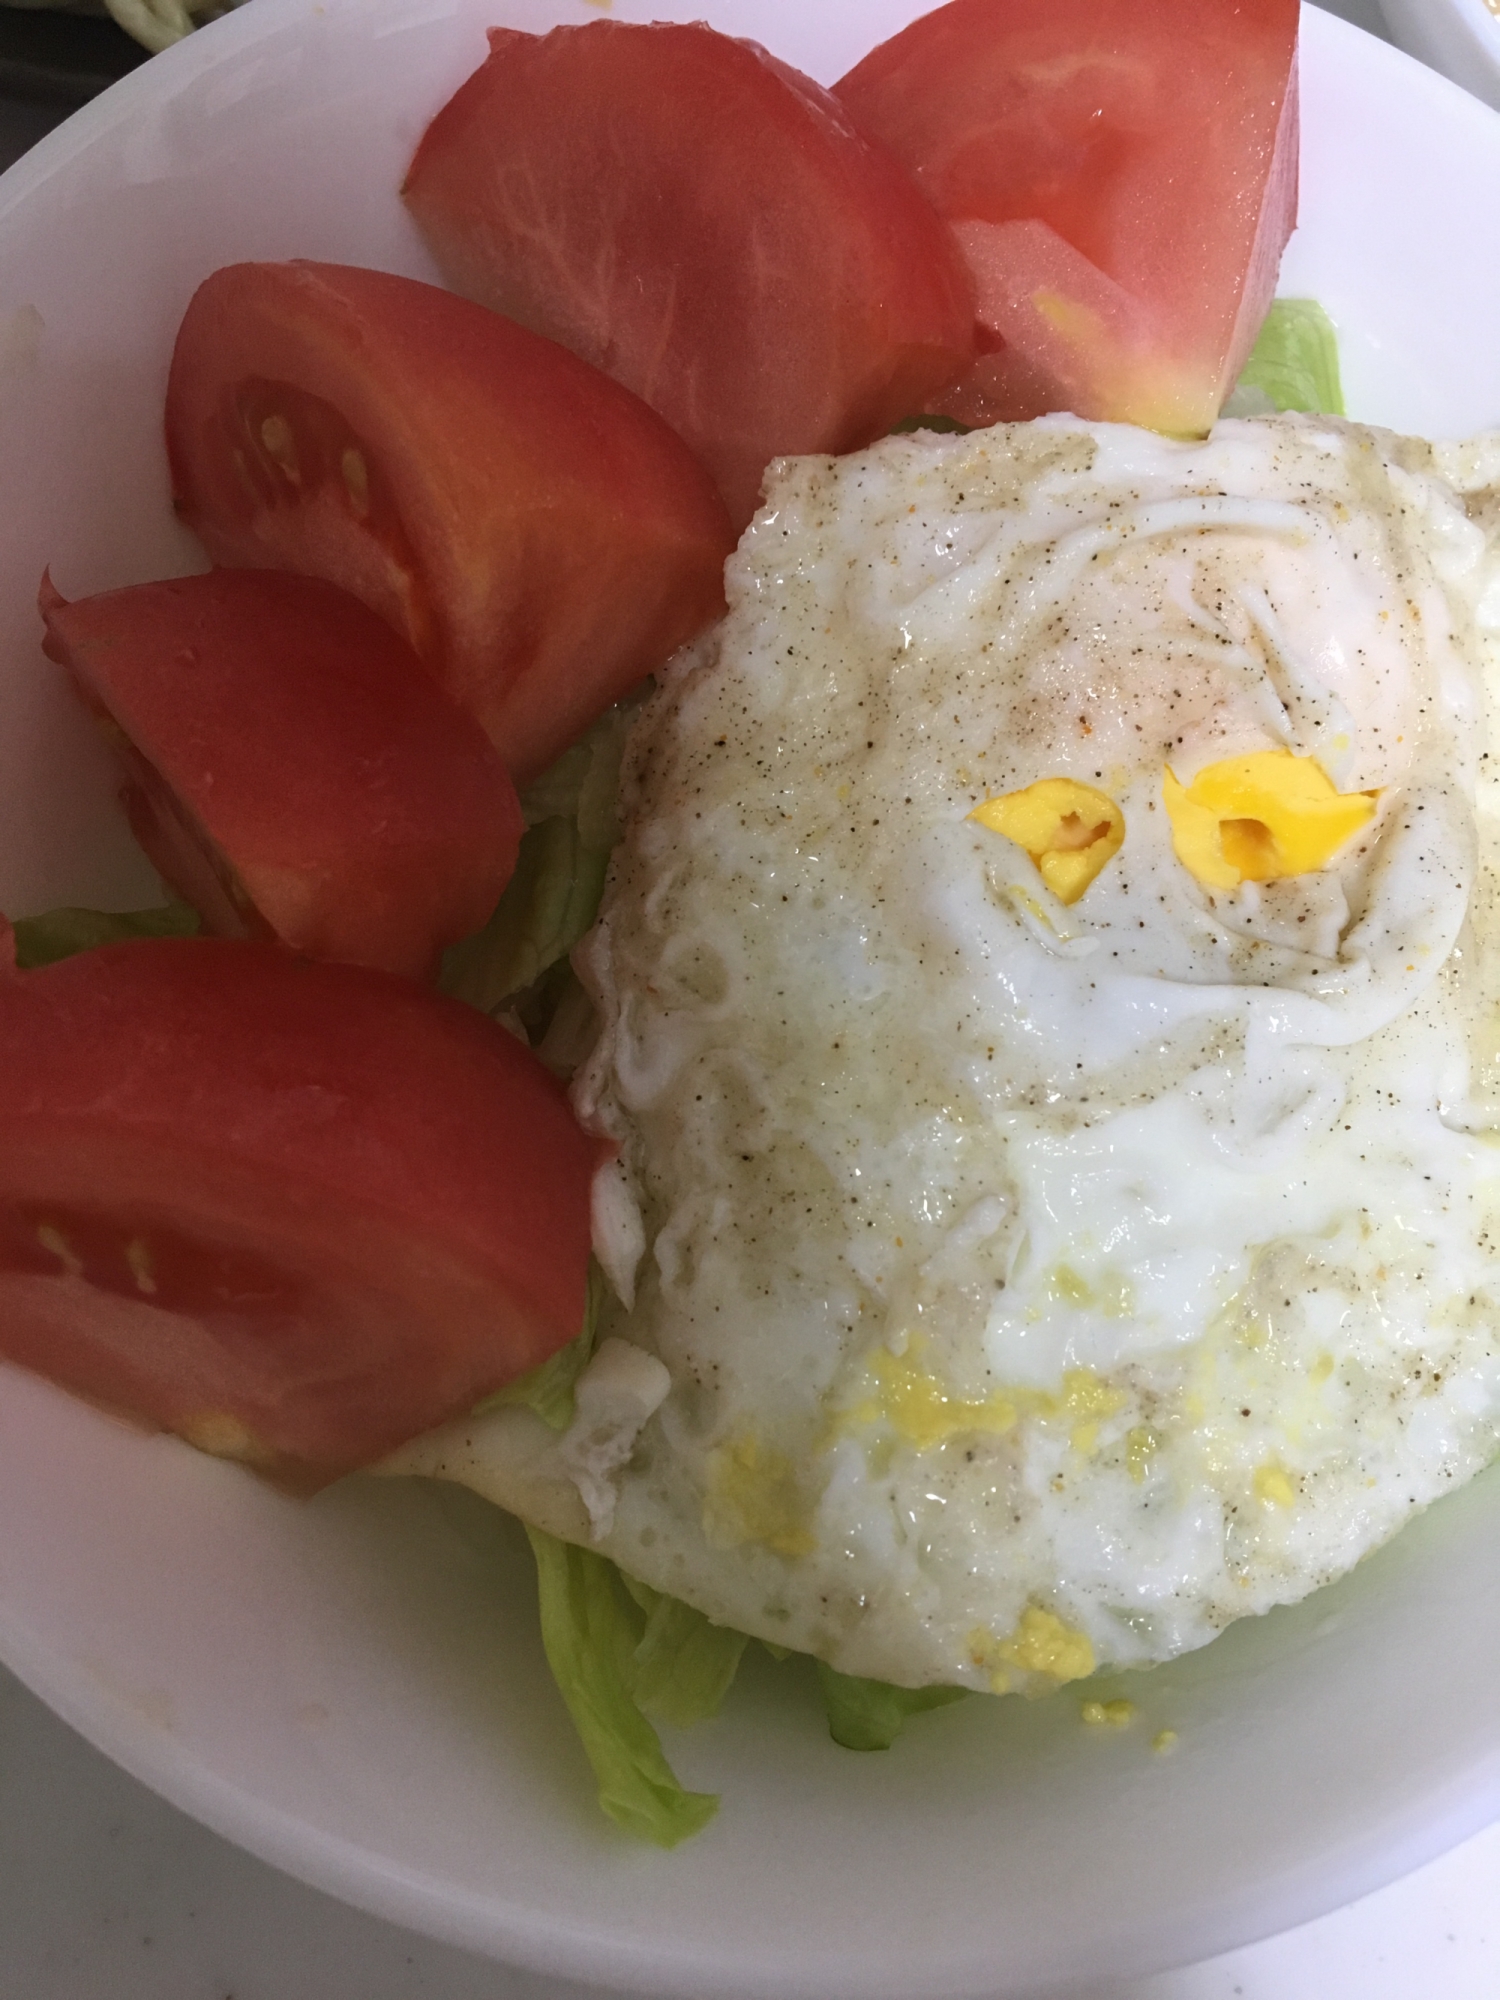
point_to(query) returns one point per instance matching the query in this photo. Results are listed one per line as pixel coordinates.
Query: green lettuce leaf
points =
(683, 1665)
(548, 1388)
(592, 1628)
(1294, 364)
(58, 934)
(548, 904)
(870, 1715)
(553, 897)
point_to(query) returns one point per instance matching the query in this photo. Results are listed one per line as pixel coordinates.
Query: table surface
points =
(108, 1893)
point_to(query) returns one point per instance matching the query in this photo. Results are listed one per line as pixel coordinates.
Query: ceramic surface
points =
(354, 1688)
(1459, 37)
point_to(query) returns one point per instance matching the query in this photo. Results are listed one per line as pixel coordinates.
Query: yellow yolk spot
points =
(1068, 1286)
(1140, 1448)
(1068, 829)
(1274, 1487)
(917, 1405)
(1086, 1401)
(924, 1411)
(1164, 1740)
(755, 1496)
(1041, 1646)
(1109, 1292)
(1085, 1395)
(1260, 818)
(1108, 1714)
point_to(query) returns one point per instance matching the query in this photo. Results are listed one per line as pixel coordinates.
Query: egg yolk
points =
(1040, 1646)
(1067, 828)
(755, 1495)
(1108, 1714)
(922, 1410)
(1261, 817)
(1274, 1488)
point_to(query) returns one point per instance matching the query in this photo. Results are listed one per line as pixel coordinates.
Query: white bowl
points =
(1461, 38)
(354, 1688)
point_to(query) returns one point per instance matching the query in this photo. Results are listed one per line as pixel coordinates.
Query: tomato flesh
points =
(295, 1213)
(1122, 179)
(704, 223)
(537, 535)
(293, 771)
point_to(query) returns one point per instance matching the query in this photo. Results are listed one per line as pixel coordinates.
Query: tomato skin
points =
(703, 222)
(536, 534)
(293, 769)
(1123, 179)
(294, 1212)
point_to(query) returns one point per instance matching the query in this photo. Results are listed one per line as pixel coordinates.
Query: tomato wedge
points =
(1122, 179)
(537, 535)
(295, 1213)
(705, 224)
(292, 769)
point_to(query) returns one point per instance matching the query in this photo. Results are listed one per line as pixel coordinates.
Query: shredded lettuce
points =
(548, 904)
(624, 1655)
(1294, 364)
(548, 1388)
(58, 934)
(553, 897)
(592, 1630)
(870, 1715)
(156, 24)
(683, 1665)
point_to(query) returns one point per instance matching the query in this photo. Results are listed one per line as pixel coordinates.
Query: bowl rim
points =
(1460, 39)
(1450, 1811)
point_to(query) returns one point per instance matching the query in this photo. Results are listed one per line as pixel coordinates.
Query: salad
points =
(621, 1651)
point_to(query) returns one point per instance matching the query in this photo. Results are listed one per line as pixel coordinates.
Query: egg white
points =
(1042, 1287)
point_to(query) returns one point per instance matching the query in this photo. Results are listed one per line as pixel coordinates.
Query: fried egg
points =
(1049, 987)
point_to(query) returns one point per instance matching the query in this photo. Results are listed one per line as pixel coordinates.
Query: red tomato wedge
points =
(536, 534)
(292, 769)
(295, 1213)
(1122, 178)
(705, 224)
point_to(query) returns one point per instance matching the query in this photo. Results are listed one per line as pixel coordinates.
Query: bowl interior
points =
(354, 1687)
(1460, 38)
